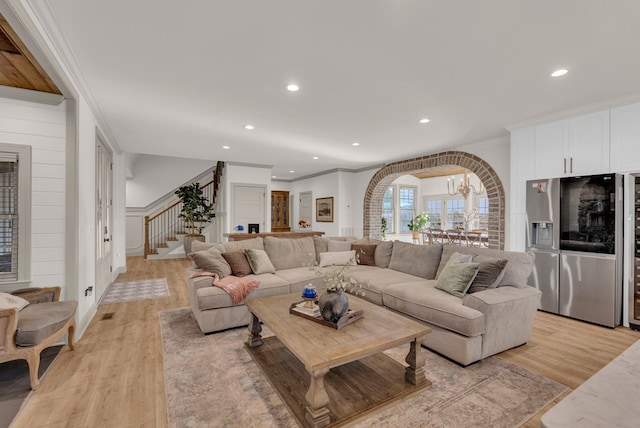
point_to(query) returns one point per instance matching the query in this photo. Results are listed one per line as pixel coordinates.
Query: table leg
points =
(414, 374)
(255, 338)
(317, 413)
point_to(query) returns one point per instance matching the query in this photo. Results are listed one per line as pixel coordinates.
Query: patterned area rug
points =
(136, 290)
(210, 380)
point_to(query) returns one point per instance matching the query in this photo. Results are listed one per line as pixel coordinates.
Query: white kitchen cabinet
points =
(551, 145)
(625, 138)
(575, 146)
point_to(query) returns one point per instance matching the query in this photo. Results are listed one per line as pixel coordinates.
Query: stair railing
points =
(165, 225)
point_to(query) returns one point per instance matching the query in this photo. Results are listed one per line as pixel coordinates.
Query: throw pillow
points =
(383, 254)
(339, 258)
(365, 253)
(259, 261)
(461, 258)
(211, 260)
(489, 274)
(8, 301)
(456, 277)
(335, 246)
(238, 262)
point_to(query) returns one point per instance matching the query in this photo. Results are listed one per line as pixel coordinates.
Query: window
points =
(399, 207)
(15, 212)
(388, 209)
(434, 208)
(455, 213)
(407, 207)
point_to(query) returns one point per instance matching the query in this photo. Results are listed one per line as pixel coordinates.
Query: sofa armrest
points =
(509, 314)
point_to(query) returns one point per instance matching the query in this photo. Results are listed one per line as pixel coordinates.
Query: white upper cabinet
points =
(625, 138)
(575, 146)
(551, 145)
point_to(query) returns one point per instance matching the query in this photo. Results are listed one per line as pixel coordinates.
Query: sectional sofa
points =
(467, 326)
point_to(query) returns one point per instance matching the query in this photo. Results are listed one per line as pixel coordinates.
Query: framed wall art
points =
(324, 209)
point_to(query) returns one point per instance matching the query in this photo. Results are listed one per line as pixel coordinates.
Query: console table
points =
(243, 236)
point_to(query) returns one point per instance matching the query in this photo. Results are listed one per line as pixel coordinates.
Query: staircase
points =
(164, 231)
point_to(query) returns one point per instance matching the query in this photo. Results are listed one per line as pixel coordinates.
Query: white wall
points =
(42, 127)
(155, 176)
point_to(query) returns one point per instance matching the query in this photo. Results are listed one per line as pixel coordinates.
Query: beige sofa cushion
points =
(418, 260)
(422, 300)
(215, 297)
(255, 243)
(287, 253)
(374, 280)
(516, 273)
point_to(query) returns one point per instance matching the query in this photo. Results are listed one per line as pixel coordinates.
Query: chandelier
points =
(464, 188)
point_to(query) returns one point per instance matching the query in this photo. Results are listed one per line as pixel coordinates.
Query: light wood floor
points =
(114, 378)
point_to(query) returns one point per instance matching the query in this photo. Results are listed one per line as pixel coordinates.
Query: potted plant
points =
(383, 228)
(418, 223)
(196, 209)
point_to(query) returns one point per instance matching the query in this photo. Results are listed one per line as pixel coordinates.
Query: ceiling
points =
(184, 78)
(18, 67)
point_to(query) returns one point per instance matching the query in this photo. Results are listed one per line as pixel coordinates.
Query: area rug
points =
(15, 386)
(210, 380)
(136, 290)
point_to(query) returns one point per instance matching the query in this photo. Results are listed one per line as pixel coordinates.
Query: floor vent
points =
(107, 316)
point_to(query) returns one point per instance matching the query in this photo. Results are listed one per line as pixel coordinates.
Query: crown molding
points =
(252, 165)
(38, 20)
(585, 109)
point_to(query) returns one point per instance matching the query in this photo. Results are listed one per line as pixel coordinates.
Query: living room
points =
(475, 72)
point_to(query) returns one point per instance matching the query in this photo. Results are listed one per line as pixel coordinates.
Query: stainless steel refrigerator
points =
(574, 228)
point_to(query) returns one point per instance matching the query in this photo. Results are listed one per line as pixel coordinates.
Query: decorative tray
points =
(348, 318)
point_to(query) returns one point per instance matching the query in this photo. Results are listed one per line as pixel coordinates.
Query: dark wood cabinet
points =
(280, 211)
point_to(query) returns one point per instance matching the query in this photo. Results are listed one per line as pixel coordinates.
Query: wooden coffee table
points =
(320, 348)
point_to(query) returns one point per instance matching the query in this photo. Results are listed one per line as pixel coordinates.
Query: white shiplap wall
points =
(43, 127)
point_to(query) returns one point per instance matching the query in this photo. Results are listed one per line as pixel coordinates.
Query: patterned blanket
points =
(237, 288)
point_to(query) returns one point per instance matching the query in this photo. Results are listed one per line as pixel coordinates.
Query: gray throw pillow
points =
(383, 253)
(456, 277)
(489, 274)
(259, 261)
(211, 260)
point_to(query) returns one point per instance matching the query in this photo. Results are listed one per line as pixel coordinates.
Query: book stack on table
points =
(303, 309)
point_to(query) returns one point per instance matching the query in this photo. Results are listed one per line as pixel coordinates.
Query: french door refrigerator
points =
(578, 245)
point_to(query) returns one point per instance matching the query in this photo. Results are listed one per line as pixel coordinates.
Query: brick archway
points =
(388, 173)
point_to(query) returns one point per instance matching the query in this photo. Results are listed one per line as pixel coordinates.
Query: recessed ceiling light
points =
(425, 120)
(316, 158)
(355, 144)
(292, 171)
(559, 72)
(248, 127)
(273, 176)
(293, 87)
(225, 147)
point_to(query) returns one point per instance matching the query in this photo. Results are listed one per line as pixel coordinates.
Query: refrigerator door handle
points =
(565, 165)
(571, 164)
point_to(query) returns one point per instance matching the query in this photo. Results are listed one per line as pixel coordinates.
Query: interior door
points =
(248, 205)
(104, 162)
